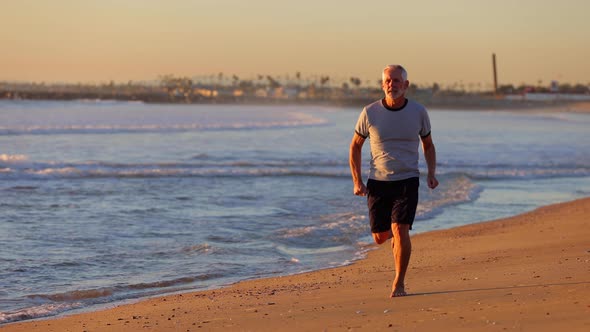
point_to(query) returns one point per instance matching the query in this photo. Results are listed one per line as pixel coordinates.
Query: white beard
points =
(395, 95)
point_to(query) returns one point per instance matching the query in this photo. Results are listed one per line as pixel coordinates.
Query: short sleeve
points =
(362, 125)
(425, 130)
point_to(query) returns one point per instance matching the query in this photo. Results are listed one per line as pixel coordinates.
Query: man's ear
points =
(406, 84)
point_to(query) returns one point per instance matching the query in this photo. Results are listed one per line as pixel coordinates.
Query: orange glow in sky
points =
(437, 41)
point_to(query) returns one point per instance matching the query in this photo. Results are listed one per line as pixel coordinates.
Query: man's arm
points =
(356, 147)
(430, 157)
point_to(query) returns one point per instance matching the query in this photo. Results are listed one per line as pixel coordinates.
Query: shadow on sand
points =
(499, 288)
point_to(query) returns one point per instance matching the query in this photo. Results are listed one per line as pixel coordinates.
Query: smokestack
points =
(495, 74)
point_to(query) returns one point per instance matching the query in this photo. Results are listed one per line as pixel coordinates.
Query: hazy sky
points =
(437, 41)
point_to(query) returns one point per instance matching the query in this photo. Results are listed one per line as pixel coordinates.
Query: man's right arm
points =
(356, 147)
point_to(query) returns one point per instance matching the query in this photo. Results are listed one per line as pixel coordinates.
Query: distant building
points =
(554, 86)
(205, 92)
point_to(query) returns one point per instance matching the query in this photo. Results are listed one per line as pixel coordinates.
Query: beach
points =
(154, 179)
(106, 203)
(522, 273)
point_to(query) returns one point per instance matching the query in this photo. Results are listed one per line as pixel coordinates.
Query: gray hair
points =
(394, 67)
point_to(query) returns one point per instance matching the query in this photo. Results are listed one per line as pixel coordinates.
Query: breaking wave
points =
(20, 167)
(157, 122)
(38, 311)
(60, 302)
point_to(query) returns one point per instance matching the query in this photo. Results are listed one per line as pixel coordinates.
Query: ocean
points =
(105, 201)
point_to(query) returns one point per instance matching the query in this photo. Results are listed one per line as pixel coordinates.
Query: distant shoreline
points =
(468, 102)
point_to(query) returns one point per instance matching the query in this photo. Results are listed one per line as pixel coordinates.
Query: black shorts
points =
(392, 202)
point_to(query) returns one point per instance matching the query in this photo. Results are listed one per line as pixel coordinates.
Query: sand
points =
(579, 107)
(525, 273)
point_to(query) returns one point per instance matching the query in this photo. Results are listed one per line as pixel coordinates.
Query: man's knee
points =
(382, 237)
(400, 231)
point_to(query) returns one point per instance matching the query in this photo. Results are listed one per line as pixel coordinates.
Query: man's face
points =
(394, 86)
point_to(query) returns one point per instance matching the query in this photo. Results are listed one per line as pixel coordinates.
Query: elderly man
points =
(395, 126)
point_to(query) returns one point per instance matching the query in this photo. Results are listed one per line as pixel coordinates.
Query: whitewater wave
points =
(70, 172)
(198, 168)
(346, 227)
(456, 189)
(18, 166)
(108, 102)
(61, 302)
(38, 311)
(288, 120)
(88, 294)
(12, 158)
(518, 173)
(345, 222)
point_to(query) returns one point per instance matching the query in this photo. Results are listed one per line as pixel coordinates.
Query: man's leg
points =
(381, 237)
(402, 249)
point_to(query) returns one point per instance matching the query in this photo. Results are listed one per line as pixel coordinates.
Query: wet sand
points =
(579, 107)
(525, 273)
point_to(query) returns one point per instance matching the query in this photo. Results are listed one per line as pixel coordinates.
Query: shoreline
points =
(522, 272)
(452, 103)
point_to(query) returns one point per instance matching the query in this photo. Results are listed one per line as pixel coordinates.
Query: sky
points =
(443, 41)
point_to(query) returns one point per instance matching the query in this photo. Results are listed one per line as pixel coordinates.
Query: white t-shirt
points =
(394, 137)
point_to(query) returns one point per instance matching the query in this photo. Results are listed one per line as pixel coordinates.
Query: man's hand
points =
(360, 189)
(431, 181)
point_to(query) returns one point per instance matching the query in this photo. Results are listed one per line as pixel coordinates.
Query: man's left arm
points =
(430, 157)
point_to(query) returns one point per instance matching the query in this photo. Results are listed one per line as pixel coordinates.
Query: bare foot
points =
(398, 291)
